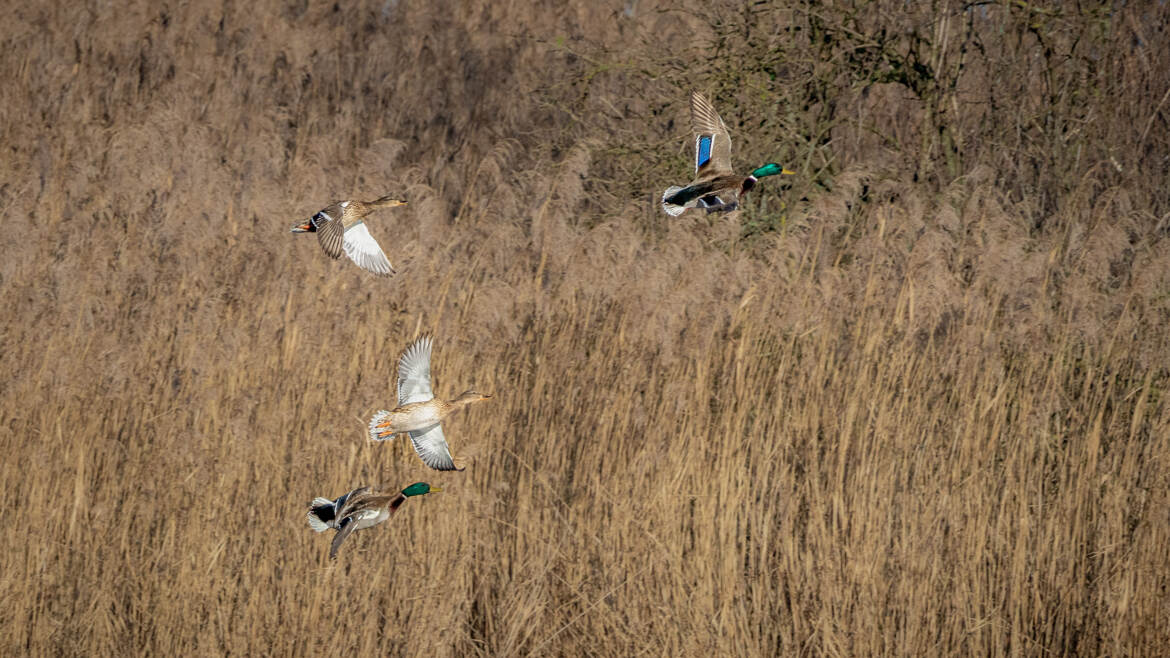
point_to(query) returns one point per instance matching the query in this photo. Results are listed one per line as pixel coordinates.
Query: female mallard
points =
(715, 186)
(340, 228)
(358, 510)
(419, 412)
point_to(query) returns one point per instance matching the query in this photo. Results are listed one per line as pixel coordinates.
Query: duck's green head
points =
(772, 169)
(418, 489)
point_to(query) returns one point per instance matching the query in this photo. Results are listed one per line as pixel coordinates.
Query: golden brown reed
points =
(914, 405)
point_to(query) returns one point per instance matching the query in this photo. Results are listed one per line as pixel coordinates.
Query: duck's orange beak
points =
(307, 227)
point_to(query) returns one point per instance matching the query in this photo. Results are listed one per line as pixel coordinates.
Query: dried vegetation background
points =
(912, 401)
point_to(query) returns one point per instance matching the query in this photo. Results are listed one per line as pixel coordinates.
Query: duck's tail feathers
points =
(320, 514)
(380, 433)
(672, 209)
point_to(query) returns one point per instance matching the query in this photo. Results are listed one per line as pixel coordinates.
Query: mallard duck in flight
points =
(419, 412)
(341, 228)
(715, 186)
(358, 510)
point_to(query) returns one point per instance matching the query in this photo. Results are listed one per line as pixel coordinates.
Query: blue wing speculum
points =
(703, 150)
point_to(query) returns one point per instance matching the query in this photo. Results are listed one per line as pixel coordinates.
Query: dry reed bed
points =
(908, 422)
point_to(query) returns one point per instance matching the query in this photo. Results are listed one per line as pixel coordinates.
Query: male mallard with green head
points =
(419, 412)
(358, 510)
(715, 186)
(341, 228)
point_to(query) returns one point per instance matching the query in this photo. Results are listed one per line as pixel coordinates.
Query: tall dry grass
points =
(913, 403)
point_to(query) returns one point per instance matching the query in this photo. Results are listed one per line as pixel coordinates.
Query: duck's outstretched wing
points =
(351, 502)
(347, 526)
(363, 249)
(414, 373)
(431, 446)
(712, 141)
(330, 231)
